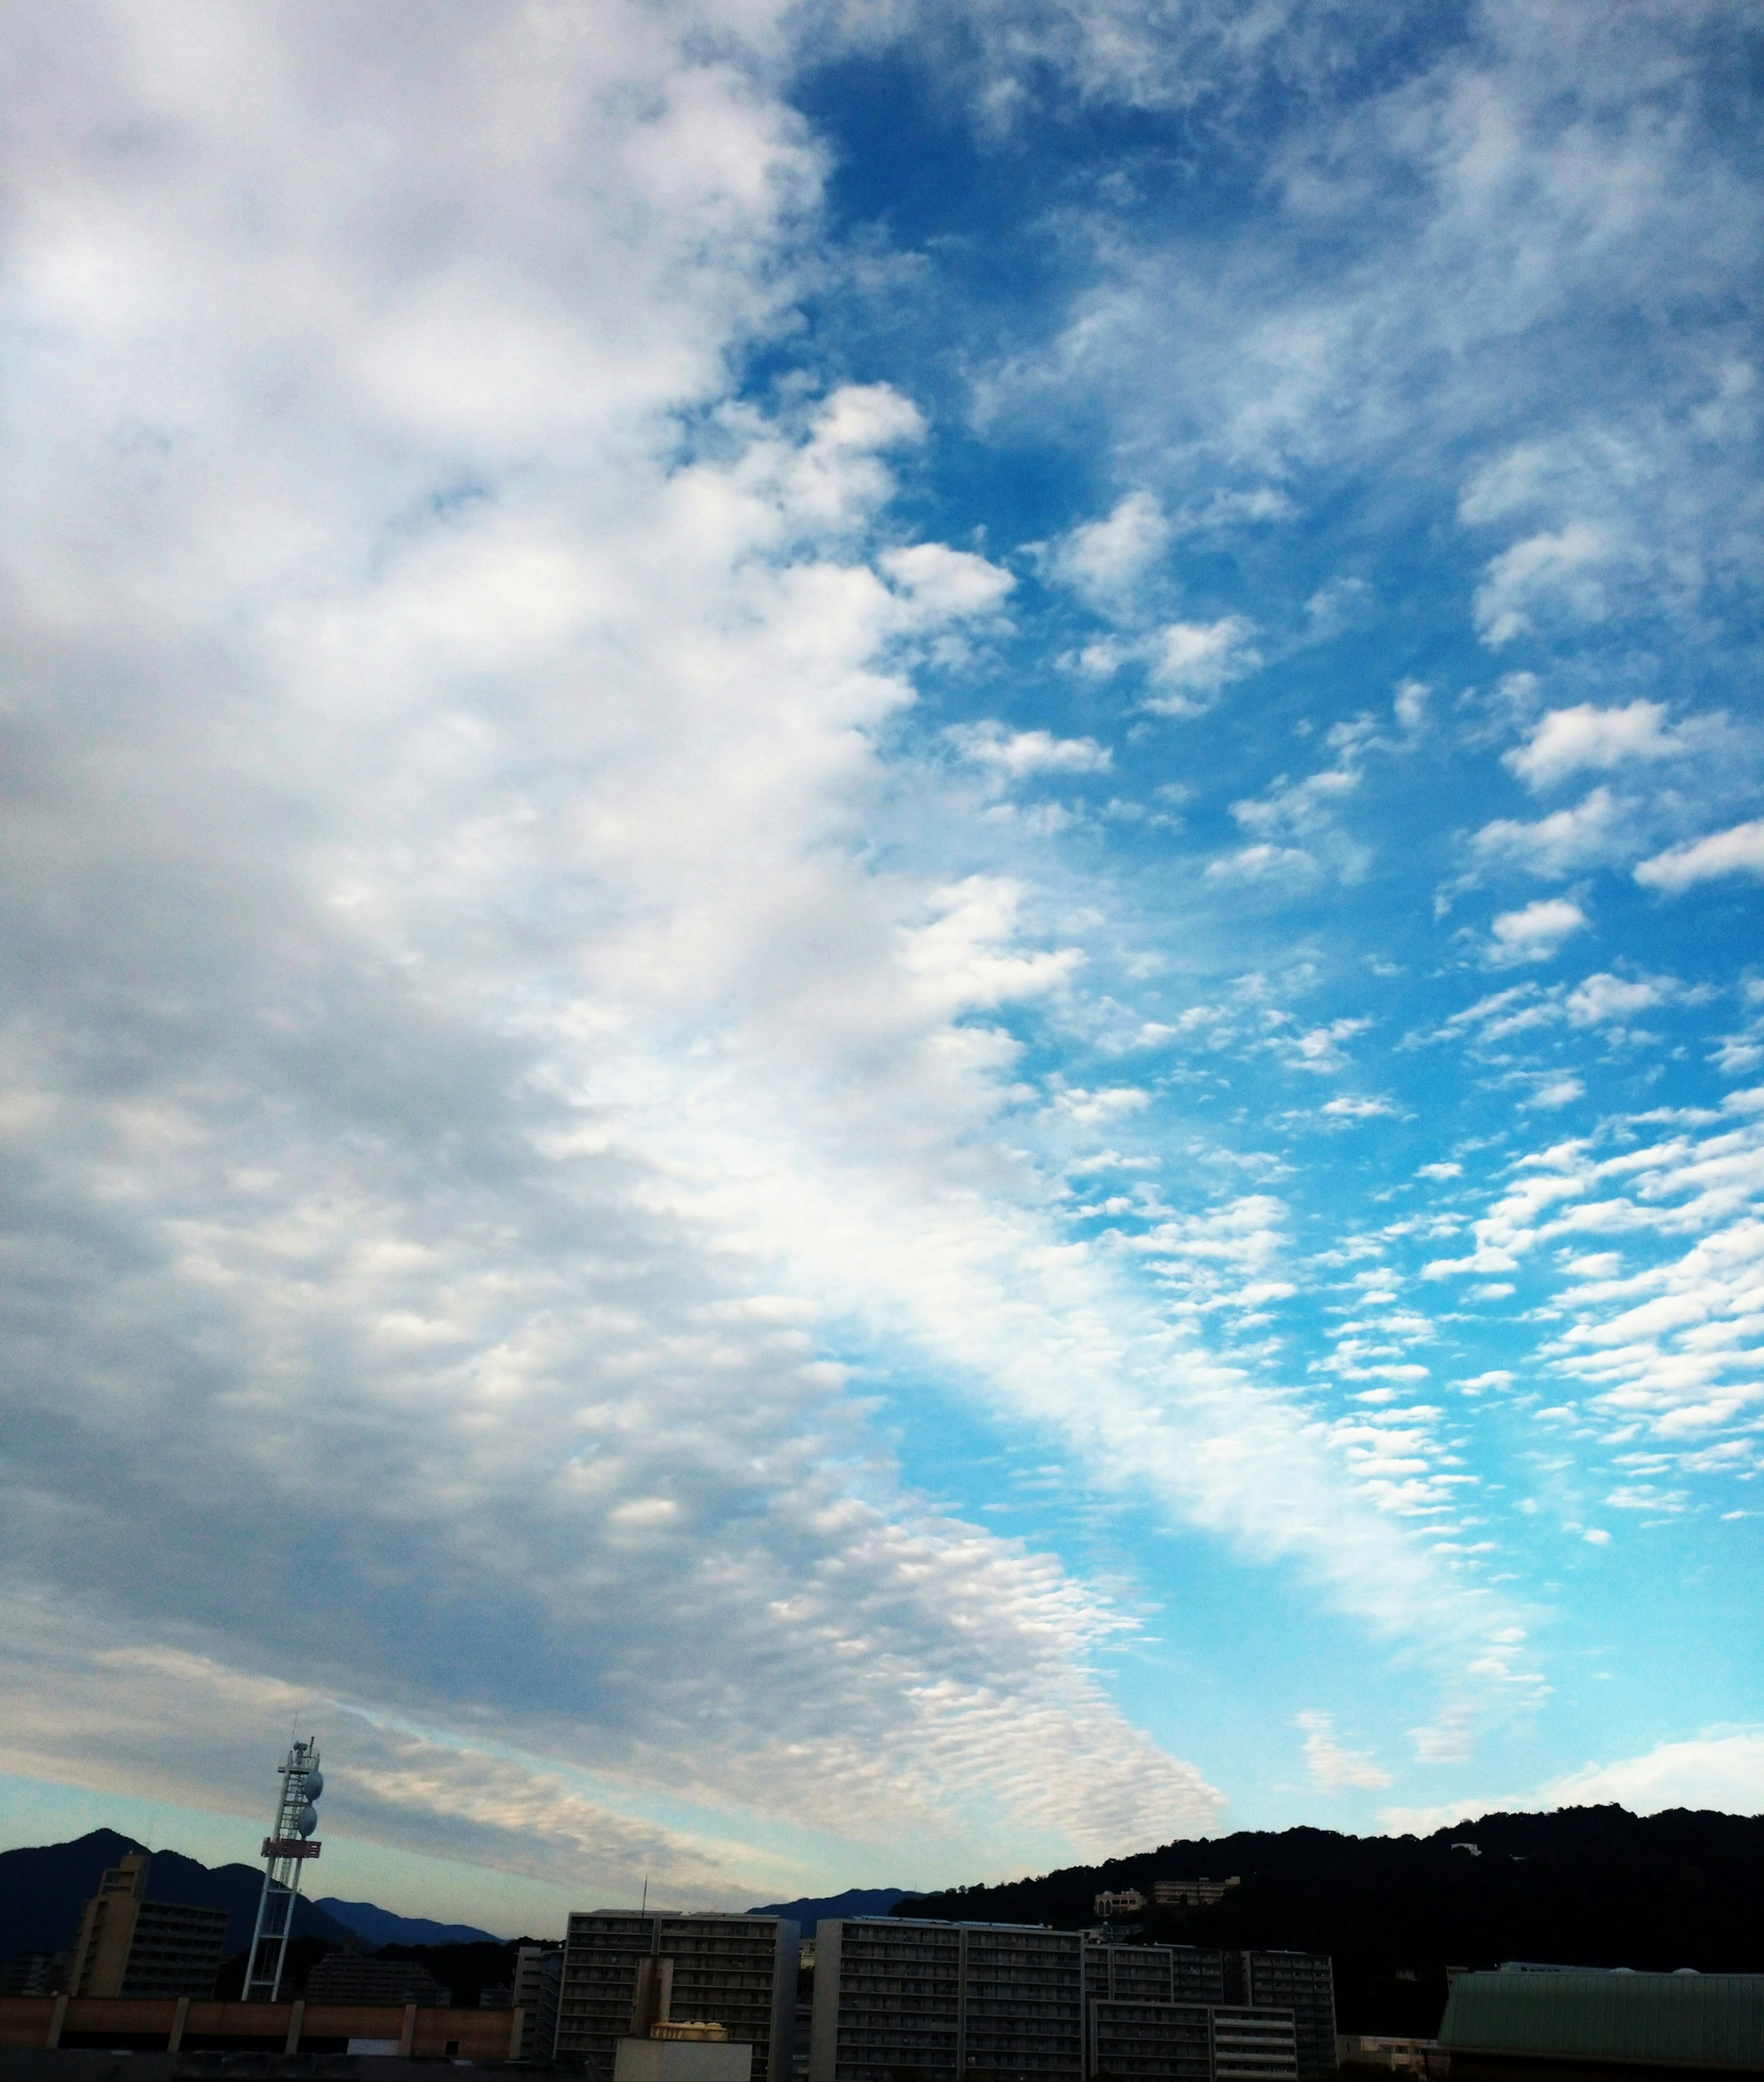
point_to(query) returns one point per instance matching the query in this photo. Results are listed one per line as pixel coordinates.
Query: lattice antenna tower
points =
(286, 1849)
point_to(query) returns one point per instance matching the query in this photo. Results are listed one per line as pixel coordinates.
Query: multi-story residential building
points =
(1156, 1973)
(623, 1972)
(1303, 1984)
(1190, 1894)
(352, 1976)
(1128, 1901)
(1254, 2046)
(896, 1993)
(533, 1990)
(35, 1974)
(132, 1947)
(1149, 2040)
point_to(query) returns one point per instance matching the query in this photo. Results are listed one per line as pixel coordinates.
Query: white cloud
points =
(1536, 933)
(1738, 851)
(1572, 740)
(1191, 662)
(1106, 559)
(1592, 831)
(1548, 574)
(1332, 1767)
(1603, 999)
(942, 584)
(1017, 754)
(1721, 1769)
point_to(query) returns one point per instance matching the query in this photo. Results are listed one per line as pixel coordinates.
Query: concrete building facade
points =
(130, 1947)
(896, 1993)
(1255, 2046)
(623, 1971)
(1187, 1974)
(1202, 1893)
(1302, 1983)
(1153, 2042)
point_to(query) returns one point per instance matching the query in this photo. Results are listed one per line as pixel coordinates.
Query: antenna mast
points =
(285, 1850)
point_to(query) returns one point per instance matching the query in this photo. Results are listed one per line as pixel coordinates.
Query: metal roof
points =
(1670, 2020)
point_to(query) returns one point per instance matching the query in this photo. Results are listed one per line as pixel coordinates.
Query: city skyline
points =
(882, 926)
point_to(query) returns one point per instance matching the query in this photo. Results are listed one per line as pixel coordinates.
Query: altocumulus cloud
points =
(574, 921)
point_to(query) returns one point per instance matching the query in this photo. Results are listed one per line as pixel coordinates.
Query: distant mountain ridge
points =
(379, 1926)
(45, 1888)
(855, 1901)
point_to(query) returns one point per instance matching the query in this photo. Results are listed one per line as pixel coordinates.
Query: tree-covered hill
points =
(1586, 1885)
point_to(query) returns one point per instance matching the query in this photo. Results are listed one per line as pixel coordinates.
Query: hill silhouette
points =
(45, 1888)
(1594, 1886)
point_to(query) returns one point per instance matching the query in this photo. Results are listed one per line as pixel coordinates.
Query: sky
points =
(880, 989)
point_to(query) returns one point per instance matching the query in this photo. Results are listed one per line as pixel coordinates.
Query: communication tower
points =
(286, 1850)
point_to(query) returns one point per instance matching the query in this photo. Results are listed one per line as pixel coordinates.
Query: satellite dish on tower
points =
(315, 1784)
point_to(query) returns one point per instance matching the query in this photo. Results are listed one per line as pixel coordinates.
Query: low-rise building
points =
(1538, 2025)
(1191, 1894)
(1128, 1901)
(682, 2060)
(66, 2023)
(130, 1946)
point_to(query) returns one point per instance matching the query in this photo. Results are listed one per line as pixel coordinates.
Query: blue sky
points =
(884, 994)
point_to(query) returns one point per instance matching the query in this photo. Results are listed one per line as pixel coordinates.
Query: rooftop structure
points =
(71, 2023)
(1511, 2025)
(285, 1851)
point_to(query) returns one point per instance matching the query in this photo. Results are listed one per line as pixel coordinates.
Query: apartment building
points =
(538, 1979)
(1202, 1893)
(1254, 2046)
(1147, 2040)
(130, 1946)
(1302, 1983)
(895, 1992)
(624, 1972)
(1184, 1974)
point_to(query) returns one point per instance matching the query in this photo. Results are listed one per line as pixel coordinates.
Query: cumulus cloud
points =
(1192, 662)
(1105, 560)
(1536, 933)
(1738, 851)
(1593, 830)
(1572, 740)
(1018, 753)
(942, 584)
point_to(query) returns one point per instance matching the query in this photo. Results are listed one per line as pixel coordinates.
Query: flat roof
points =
(1665, 2019)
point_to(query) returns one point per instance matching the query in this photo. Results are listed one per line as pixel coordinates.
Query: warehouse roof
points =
(1667, 2020)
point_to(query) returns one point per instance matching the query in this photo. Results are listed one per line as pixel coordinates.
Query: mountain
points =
(43, 1890)
(1583, 1886)
(380, 1926)
(855, 1901)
